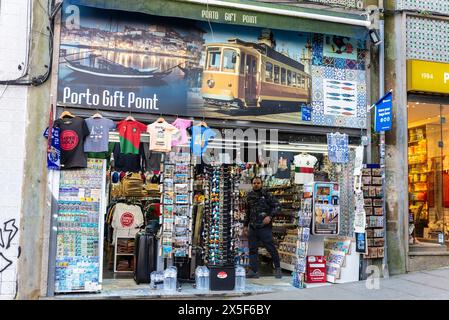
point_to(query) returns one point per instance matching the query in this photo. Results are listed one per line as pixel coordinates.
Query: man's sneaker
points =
(278, 273)
(251, 274)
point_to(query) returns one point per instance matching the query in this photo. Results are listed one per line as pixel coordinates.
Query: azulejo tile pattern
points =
(340, 3)
(428, 39)
(341, 69)
(440, 6)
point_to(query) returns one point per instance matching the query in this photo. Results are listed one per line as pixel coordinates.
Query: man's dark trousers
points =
(265, 236)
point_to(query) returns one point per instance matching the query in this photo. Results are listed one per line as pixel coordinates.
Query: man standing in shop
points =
(261, 208)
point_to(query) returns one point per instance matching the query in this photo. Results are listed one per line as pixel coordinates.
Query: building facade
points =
(33, 212)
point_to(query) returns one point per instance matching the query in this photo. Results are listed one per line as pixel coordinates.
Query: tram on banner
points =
(245, 74)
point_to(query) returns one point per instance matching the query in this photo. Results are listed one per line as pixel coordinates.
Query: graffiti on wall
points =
(7, 235)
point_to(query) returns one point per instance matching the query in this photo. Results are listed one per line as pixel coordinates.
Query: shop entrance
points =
(428, 151)
(185, 206)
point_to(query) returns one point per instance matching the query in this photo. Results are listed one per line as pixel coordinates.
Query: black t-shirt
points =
(128, 162)
(73, 132)
(285, 160)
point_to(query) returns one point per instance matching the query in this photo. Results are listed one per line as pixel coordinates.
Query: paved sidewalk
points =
(427, 285)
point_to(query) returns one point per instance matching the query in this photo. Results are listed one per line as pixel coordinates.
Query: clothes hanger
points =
(203, 123)
(66, 114)
(130, 118)
(97, 115)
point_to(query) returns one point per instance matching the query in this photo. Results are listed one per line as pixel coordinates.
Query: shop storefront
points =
(162, 122)
(428, 108)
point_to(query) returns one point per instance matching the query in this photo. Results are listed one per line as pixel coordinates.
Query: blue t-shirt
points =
(200, 139)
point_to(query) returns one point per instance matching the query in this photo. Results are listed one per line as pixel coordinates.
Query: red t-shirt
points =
(129, 133)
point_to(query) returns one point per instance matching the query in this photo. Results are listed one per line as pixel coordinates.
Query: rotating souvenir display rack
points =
(218, 233)
(177, 190)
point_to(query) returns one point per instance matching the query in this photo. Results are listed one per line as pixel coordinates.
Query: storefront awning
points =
(245, 12)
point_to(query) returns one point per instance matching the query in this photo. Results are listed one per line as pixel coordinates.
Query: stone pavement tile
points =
(418, 290)
(444, 272)
(430, 281)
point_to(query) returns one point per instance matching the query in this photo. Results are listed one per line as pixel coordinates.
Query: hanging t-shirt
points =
(129, 162)
(161, 134)
(127, 219)
(284, 165)
(153, 159)
(200, 139)
(73, 131)
(129, 133)
(182, 125)
(304, 164)
(98, 138)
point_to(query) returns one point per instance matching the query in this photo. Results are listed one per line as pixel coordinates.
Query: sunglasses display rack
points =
(177, 190)
(218, 234)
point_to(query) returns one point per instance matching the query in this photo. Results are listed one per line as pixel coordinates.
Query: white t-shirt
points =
(304, 164)
(127, 220)
(161, 134)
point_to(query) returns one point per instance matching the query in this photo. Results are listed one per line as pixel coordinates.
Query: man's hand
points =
(267, 220)
(245, 231)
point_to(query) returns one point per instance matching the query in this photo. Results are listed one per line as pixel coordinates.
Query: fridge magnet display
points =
(168, 185)
(182, 157)
(182, 210)
(366, 172)
(376, 180)
(366, 180)
(377, 202)
(378, 211)
(360, 242)
(326, 208)
(182, 168)
(181, 188)
(380, 252)
(168, 170)
(182, 198)
(168, 198)
(181, 178)
(368, 202)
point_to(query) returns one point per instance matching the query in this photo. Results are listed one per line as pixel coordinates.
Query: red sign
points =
(69, 140)
(222, 275)
(127, 219)
(316, 269)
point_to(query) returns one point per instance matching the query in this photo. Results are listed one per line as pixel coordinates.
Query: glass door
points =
(428, 171)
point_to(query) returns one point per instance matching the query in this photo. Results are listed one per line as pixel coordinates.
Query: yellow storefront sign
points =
(426, 76)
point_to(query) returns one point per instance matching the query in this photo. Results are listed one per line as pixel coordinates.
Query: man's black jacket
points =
(260, 204)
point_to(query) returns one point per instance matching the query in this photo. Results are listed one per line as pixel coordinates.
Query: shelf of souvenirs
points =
(137, 198)
(416, 141)
(279, 187)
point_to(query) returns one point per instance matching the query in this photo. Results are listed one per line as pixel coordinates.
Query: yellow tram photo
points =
(244, 74)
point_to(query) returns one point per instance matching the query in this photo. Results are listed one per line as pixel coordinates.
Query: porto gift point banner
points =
(124, 61)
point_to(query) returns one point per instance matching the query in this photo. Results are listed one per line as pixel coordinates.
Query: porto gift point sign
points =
(125, 61)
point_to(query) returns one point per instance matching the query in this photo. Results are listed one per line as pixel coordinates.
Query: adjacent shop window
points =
(268, 72)
(229, 60)
(294, 79)
(428, 172)
(276, 74)
(283, 76)
(214, 57)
